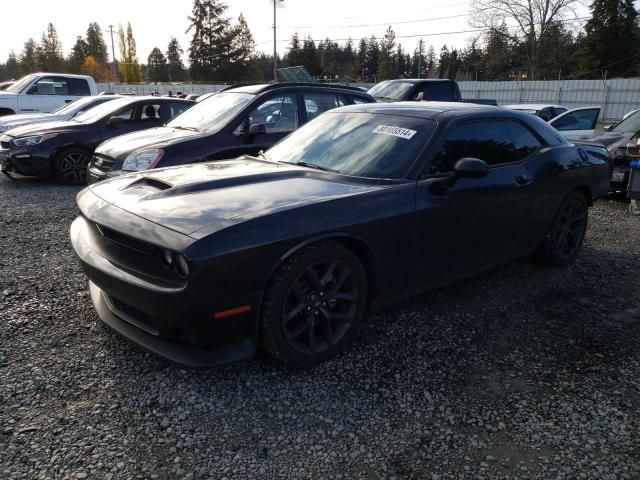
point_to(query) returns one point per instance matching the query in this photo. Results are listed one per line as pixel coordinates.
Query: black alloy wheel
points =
(565, 238)
(71, 166)
(314, 305)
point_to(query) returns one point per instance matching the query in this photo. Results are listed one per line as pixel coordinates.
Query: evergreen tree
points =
(293, 57)
(79, 54)
(12, 67)
(373, 54)
(51, 58)
(129, 66)
(212, 38)
(243, 51)
(309, 56)
(500, 56)
(612, 35)
(156, 70)
(175, 67)
(96, 46)
(443, 63)
(30, 57)
(386, 65)
(361, 59)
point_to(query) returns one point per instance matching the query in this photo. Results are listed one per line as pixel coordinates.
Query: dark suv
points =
(237, 121)
(433, 90)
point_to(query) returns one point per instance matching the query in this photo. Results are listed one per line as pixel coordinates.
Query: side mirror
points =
(419, 97)
(253, 130)
(470, 168)
(33, 90)
(113, 122)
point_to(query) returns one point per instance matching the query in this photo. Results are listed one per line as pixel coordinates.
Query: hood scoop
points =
(148, 182)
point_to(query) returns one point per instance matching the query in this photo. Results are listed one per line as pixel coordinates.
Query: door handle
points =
(523, 179)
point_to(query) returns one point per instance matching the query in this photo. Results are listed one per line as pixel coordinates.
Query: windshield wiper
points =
(180, 127)
(312, 165)
(262, 155)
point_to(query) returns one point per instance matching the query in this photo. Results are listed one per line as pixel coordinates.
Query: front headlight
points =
(30, 141)
(142, 160)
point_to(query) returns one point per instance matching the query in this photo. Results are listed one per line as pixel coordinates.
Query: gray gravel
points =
(522, 372)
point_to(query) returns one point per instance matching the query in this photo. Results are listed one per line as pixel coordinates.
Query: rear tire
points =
(314, 304)
(565, 237)
(70, 166)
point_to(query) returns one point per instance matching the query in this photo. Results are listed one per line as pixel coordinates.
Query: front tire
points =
(70, 166)
(565, 237)
(314, 304)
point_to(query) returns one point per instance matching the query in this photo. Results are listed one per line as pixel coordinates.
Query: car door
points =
(279, 115)
(577, 123)
(471, 224)
(46, 95)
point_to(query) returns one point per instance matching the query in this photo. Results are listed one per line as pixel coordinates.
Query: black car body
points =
(64, 148)
(623, 142)
(236, 121)
(199, 263)
(403, 89)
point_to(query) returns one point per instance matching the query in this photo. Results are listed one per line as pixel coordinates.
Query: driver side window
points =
(277, 114)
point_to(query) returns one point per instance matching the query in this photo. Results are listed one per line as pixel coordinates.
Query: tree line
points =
(544, 44)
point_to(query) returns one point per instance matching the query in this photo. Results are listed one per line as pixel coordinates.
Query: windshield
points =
(79, 105)
(102, 111)
(391, 90)
(360, 144)
(631, 124)
(21, 84)
(213, 113)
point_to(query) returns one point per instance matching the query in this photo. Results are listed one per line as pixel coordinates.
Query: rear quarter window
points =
(78, 87)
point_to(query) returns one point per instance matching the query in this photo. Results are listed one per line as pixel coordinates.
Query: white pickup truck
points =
(45, 92)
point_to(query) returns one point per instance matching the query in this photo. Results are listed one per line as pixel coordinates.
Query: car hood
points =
(45, 127)
(153, 137)
(26, 117)
(192, 197)
(612, 140)
(7, 96)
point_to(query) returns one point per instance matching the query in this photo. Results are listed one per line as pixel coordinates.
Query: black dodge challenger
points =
(366, 204)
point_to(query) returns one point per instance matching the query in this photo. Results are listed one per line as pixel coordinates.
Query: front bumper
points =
(189, 355)
(24, 162)
(171, 320)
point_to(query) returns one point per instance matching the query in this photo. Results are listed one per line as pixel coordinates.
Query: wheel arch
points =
(586, 191)
(358, 245)
(62, 149)
(6, 111)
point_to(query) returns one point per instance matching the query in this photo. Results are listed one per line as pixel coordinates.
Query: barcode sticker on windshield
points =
(395, 131)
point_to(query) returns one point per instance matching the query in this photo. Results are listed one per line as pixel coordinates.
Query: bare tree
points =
(527, 21)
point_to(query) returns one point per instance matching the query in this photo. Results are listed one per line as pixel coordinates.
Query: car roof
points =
(533, 106)
(266, 87)
(426, 110)
(415, 80)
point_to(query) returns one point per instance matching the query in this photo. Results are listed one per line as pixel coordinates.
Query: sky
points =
(154, 23)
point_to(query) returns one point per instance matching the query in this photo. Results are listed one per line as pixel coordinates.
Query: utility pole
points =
(275, 53)
(113, 55)
(419, 56)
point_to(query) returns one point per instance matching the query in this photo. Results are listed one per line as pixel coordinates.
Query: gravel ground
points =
(523, 372)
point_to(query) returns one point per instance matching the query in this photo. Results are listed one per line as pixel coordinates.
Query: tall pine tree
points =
(175, 66)
(211, 41)
(612, 35)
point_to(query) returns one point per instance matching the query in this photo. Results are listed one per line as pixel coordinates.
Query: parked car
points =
(622, 141)
(7, 84)
(576, 123)
(45, 92)
(543, 110)
(364, 205)
(239, 120)
(66, 112)
(64, 148)
(440, 90)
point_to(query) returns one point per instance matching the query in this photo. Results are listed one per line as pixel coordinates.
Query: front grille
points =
(102, 162)
(132, 315)
(126, 241)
